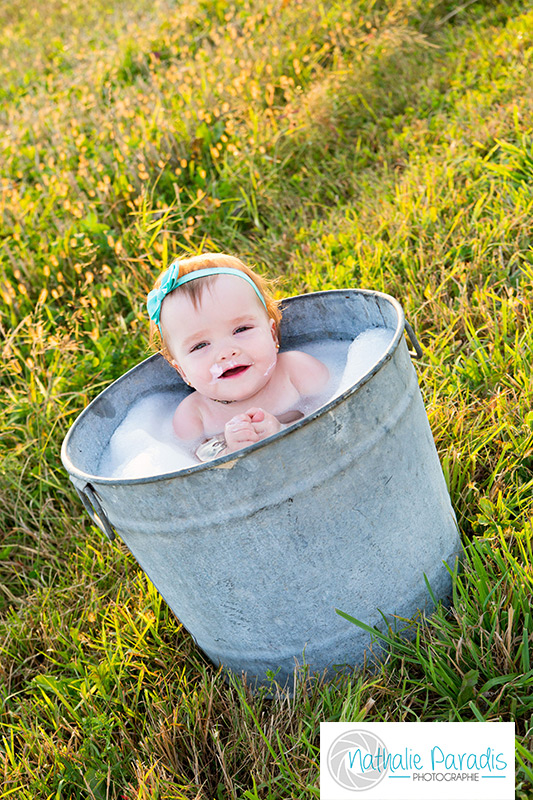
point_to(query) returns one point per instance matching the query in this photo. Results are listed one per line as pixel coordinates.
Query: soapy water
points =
(144, 444)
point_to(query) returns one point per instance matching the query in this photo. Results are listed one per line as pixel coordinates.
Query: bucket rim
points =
(222, 461)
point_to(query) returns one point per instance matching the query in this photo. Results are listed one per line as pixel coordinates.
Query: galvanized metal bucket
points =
(346, 509)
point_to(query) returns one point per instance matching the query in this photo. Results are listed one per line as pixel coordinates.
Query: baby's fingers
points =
(256, 414)
(235, 439)
(239, 418)
(236, 425)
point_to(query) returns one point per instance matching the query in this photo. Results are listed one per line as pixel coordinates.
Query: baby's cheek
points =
(270, 367)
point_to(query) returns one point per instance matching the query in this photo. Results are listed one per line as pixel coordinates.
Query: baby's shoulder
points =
(307, 374)
(188, 420)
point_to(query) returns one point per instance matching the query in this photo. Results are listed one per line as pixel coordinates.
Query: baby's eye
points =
(198, 346)
(242, 328)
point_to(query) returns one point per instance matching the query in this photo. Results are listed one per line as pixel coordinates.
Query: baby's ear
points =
(274, 331)
(178, 369)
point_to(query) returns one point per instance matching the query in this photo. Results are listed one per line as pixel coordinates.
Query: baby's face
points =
(226, 347)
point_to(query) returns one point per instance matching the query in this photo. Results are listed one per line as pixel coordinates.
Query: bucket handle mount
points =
(418, 353)
(93, 507)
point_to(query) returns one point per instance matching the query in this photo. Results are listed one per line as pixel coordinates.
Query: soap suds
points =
(217, 370)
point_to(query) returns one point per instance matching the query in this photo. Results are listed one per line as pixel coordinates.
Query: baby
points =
(220, 329)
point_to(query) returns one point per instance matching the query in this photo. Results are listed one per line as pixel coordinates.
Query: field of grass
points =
(383, 145)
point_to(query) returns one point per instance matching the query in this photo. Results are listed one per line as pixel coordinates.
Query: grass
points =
(382, 145)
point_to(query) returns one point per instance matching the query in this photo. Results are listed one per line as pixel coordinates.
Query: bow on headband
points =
(155, 298)
(170, 280)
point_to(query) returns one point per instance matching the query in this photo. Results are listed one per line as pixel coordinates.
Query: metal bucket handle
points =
(414, 341)
(91, 503)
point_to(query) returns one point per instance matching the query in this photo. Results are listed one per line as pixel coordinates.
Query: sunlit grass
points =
(381, 145)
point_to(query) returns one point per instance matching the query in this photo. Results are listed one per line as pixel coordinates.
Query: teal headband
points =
(170, 280)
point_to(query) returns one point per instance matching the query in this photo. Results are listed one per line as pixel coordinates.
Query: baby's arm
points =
(187, 421)
(307, 374)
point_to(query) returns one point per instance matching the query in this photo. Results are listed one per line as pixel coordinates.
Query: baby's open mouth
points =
(232, 372)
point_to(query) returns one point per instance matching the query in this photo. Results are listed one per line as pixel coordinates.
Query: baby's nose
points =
(228, 350)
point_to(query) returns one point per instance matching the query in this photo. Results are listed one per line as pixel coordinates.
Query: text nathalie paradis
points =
(410, 761)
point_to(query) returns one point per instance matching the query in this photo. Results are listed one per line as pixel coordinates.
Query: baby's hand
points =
(239, 432)
(248, 428)
(265, 424)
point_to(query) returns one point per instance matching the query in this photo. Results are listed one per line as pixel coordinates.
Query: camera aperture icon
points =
(350, 755)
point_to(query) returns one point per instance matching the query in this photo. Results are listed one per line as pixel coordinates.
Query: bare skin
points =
(227, 349)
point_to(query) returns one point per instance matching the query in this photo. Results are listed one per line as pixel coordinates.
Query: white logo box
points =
(417, 760)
